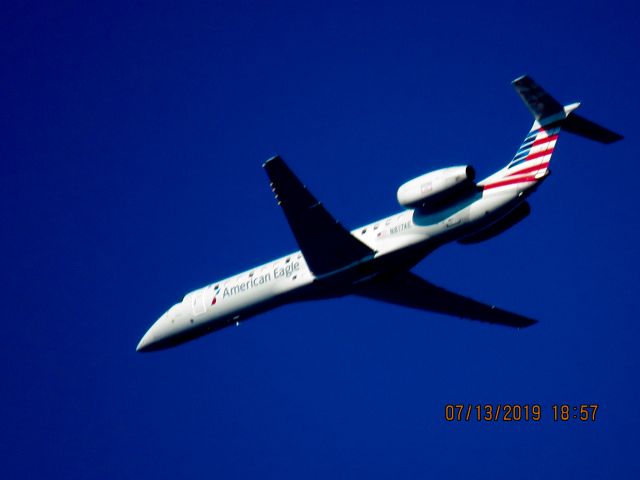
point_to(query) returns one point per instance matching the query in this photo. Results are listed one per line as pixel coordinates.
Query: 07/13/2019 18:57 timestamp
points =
(515, 412)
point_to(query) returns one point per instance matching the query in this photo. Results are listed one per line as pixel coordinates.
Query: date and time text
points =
(514, 412)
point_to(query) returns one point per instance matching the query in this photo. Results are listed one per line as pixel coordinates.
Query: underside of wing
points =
(409, 290)
(586, 128)
(326, 245)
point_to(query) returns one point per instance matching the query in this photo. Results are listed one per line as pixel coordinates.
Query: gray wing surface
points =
(326, 245)
(586, 128)
(543, 105)
(409, 290)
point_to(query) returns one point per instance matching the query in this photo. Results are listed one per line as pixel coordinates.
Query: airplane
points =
(375, 260)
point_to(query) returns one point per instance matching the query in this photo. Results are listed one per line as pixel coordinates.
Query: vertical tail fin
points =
(547, 111)
(531, 161)
(532, 158)
(534, 154)
(538, 101)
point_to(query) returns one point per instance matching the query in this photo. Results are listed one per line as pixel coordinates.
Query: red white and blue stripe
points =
(531, 161)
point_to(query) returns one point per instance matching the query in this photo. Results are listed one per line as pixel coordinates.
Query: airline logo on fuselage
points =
(256, 280)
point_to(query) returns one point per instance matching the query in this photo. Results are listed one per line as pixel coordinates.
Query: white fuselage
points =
(288, 278)
(374, 260)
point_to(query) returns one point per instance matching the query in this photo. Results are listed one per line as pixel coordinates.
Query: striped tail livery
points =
(531, 162)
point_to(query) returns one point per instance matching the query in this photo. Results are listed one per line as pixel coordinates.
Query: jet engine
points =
(437, 187)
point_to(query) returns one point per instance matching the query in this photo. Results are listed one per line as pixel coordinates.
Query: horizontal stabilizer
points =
(548, 111)
(326, 245)
(409, 290)
(579, 125)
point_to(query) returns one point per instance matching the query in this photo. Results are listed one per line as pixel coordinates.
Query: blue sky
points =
(133, 140)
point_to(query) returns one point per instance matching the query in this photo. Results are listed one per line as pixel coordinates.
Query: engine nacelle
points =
(437, 186)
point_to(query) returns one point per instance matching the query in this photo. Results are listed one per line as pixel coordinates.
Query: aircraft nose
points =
(151, 340)
(162, 332)
(146, 341)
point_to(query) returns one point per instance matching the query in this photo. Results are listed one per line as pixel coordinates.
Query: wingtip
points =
(616, 137)
(519, 79)
(269, 160)
(530, 322)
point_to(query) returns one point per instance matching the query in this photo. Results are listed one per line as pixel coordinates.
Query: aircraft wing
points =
(409, 290)
(326, 245)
